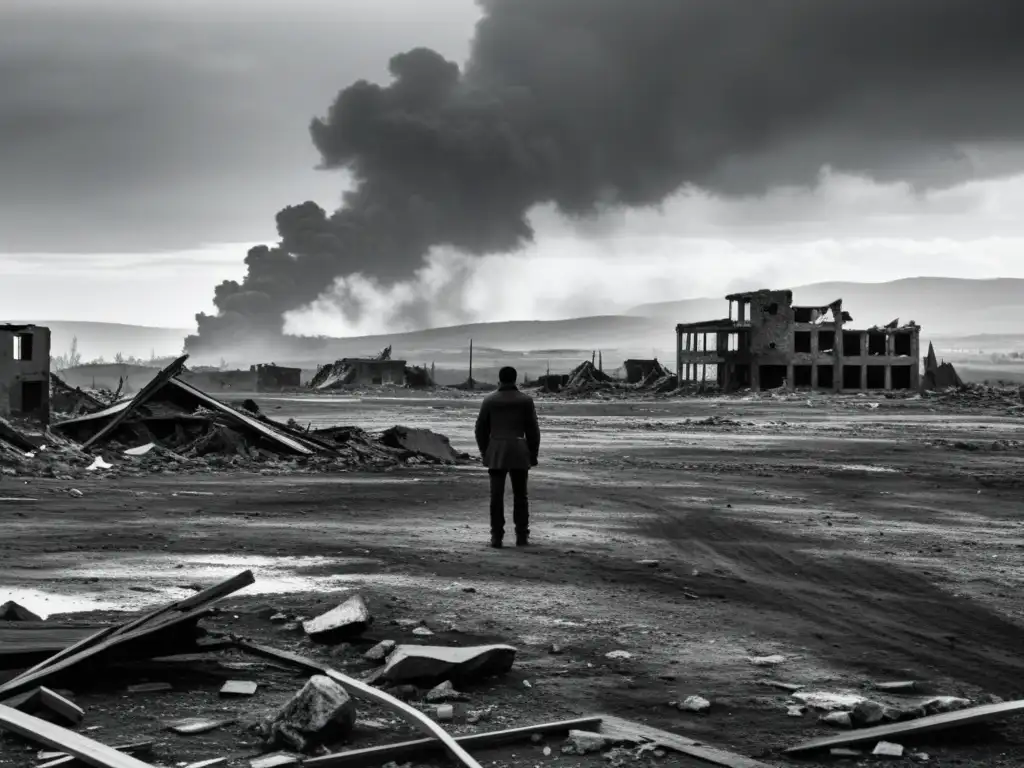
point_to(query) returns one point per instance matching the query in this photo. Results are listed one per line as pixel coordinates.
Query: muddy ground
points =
(863, 540)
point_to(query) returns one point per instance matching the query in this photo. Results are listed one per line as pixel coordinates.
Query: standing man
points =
(508, 436)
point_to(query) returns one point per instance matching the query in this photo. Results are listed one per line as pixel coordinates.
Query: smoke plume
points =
(592, 105)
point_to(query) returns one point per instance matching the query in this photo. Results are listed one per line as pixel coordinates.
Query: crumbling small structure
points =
(772, 344)
(363, 371)
(939, 375)
(638, 370)
(274, 378)
(25, 371)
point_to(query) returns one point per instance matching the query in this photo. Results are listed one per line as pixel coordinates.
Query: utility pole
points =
(600, 361)
(471, 364)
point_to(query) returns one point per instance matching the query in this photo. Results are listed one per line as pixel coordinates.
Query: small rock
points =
(469, 590)
(380, 651)
(526, 684)
(868, 713)
(76, 493)
(618, 655)
(547, 751)
(795, 710)
(585, 742)
(888, 749)
(941, 704)
(445, 692)
(422, 632)
(696, 704)
(279, 618)
(829, 702)
(838, 719)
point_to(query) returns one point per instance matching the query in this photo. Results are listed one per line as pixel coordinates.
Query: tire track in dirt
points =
(875, 617)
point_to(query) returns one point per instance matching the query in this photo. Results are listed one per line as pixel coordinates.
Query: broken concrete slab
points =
(321, 713)
(380, 651)
(424, 663)
(420, 441)
(12, 611)
(193, 725)
(348, 620)
(239, 688)
(838, 719)
(898, 686)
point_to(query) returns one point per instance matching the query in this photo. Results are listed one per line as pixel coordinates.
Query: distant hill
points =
(107, 339)
(943, 306)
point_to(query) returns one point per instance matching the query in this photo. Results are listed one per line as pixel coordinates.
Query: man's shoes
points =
(496, 542)
(523, 540)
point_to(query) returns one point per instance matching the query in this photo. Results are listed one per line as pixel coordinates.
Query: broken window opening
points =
(851, 345)
(802, 342)
(772, 309)
(31, 396)
(876, 344)
(803, 376)
(803, 315)
(772, 376)
(901, 345)
(851, 377)
(23, 346)
(901, 377)
(826, 341)
(876, 377)
(826, 377)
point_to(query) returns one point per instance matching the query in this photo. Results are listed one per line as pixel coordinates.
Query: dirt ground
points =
(863, 540)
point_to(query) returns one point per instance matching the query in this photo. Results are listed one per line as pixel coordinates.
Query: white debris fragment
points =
(888, 749)
(99, 463)
(618, 655)
(696, 704)
(766, 661)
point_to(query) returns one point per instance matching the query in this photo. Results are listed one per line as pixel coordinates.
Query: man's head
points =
(507, 375)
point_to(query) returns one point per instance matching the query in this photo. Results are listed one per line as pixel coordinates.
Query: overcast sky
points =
(144, 146)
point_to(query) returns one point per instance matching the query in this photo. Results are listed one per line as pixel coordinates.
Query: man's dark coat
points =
(507, 432)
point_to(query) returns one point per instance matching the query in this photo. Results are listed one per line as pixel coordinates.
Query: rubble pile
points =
(980, 396)
(172, 426)
(586, 378)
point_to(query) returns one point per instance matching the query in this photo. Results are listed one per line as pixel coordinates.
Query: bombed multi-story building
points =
(768, 343)
(25, 371)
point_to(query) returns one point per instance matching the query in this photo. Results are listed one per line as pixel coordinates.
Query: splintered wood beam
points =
(412, 749)
(49, 735)
(360, 690)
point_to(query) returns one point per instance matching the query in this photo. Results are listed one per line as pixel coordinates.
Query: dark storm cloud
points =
(133, 126)
(593, 103)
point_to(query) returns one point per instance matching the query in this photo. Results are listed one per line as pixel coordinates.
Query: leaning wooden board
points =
(359, 689)
(24, 643)
(88, 751)
(617, 727)
(924, 725)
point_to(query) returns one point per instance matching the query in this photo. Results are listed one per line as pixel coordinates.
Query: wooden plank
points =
(627, 730)
(359, 689)
(88, 751)
(24, 643)
(412, 749)
(71, 760)
(140, 399)
(923, 725)
(205, 597)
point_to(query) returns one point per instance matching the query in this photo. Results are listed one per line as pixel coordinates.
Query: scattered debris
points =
(696, 704)
(420, 442)
(829, 702)
(585, 743)
(445, 692)
(348, 620)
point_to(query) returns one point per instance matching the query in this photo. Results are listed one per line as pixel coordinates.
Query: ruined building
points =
(25, 371)
(767, 343)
